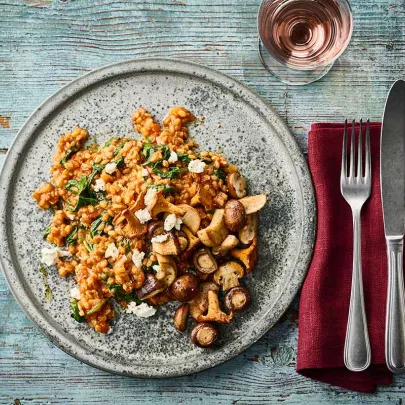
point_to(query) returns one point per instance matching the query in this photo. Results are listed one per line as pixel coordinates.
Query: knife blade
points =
(393, 202)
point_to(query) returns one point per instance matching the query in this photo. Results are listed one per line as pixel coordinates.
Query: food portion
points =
(142, 222)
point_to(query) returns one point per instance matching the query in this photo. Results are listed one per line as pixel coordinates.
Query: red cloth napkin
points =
(325, 295)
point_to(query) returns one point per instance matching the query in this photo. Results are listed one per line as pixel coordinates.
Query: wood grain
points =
(46, 43)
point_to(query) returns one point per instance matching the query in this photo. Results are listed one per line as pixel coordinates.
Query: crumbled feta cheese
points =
(110, 168)
(145, 172)
(143, 310)
(171, 222)
(196, 166)
(156, 267)
(75, 293)
(137, 257)
(51, 256)
(150, 196)
(111, 251)
(110, 330)
(143, 216)
(99, 185)
(160, 238)
(173, 157)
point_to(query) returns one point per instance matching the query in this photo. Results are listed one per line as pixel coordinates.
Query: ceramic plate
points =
(239, 124)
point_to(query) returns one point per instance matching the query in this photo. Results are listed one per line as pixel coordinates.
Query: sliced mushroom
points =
(236, 185)
(237, 299)
(203, 197)
(254, 203)
(169, 247)
(191, 218)
(162, 298)
(152, 286)
(204, 335)
(159, 204)
(139, 203)
(228, 275)
(133, 228)
(193, 242)
(168, 269)
(249, 231)
(204, 261)
(199, 305)
(182, 239)
(155, 228)
(180, 317)
(235, 215)
(216, 231)
(185, 288)
(214, 313)
(229, 243)
(247, 256)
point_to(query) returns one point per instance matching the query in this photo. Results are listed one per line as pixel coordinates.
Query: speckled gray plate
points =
(237, 122)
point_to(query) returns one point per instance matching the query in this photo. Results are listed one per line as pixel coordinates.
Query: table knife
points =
(393, 203)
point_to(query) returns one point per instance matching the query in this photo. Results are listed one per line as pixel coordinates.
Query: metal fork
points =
(356, 188)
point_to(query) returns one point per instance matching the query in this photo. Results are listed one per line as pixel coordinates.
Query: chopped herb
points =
(47, 231)
(75, 312)
(110, 141)
(47, 290)
(94, 227)
(127, 243)
(67, 156)
(220, 173)
(72, 237)
(97, 307)
(119, 147)
(172, 172)
(164, 187)
(184, 158)
(88, 246)
(149, 149)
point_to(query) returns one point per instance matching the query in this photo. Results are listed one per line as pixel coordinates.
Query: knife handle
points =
(357, 352)
(395, 318)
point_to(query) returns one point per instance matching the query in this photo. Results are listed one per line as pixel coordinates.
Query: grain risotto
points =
(142, 222)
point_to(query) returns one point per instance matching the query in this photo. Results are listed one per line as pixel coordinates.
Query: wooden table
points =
(46, 43)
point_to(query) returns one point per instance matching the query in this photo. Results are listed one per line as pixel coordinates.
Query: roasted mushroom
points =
(204, 261)
(162, 298)
(193, 241)
(228, 275)
(216, 231)
(133, 227)
(254, 203)
(247, 256)
(249, 231)
(155, 228)
(168, 269)
(235, 215)
(185, 288)
(237, 299)
(214, 313)
(182, 239)
(236, 185)
(180, 317)
(229, 243)
(203, 197)
(191, 218)
(169, 246)
(204, 335)
(152, 286)
(199, 305)
(159, 204)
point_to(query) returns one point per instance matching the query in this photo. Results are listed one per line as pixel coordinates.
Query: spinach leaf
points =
(71, 239)
(88, 246)
(67, 156)
(47, 231)
(121, 294)
(149, 149)
(120, 162)
(184, 158)
(76, 187)
(164, 187)
(172, 172)
(127, 243)
(93, 227)
(75, 312)
(110, 141)
(119, 147)
(220, 173)
(47, 290)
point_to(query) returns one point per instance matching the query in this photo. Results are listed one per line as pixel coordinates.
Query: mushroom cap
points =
(185, 288)
(235, 215)
(204, 334)
(236, 185)
(228, 275)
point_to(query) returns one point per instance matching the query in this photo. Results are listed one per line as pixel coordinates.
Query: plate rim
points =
(139, 65)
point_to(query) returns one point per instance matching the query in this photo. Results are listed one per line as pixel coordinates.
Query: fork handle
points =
(357, 352)
(395, 318)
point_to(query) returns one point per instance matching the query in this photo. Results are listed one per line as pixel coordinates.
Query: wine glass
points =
(301, 39)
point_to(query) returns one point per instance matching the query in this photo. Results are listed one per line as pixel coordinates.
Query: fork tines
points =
(360, 173)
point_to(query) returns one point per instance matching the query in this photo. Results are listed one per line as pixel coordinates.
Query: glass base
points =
(287, 75)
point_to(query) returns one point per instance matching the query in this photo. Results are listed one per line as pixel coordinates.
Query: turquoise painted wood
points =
(46, 43)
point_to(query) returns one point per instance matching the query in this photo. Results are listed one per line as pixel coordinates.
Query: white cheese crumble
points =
(171, 222)
(99, 185)
(142, 310)
(196, 166)
(173, 157)
(145, 172)
(110, 168)
(111, 251)
(150, 196)
(156, 267)
(72, 217)
(75, 293)
(137, 257)
(143, 216)
(160, 238)
(51, 256)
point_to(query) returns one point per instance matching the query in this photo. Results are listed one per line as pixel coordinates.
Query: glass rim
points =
(310, 66)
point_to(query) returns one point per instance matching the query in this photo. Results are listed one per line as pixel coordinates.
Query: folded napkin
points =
(325, 295)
